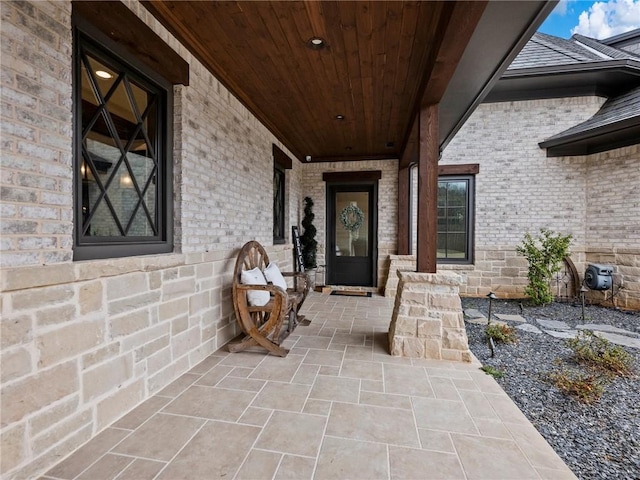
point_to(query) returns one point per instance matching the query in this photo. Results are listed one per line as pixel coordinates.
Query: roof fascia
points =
(502, 32)
(587, 67)
(565, 140)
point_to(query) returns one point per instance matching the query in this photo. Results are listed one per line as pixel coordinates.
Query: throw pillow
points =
(256, 298)
(272, 274)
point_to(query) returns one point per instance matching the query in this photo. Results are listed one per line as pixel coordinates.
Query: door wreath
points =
(351, 218)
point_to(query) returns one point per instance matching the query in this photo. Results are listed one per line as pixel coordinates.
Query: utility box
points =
(598, 277)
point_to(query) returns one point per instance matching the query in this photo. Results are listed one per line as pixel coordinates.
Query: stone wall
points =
(85, 342)
(427, 320)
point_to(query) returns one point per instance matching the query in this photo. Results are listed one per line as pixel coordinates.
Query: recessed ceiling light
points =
(390, 144)
(348, 148)
(316, 43)
(103, 74)
(339, 117)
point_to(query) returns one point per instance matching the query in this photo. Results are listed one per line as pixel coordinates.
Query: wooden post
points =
(428, 155)
(404, 210)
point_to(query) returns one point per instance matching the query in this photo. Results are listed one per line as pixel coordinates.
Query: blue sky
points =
(596, 19)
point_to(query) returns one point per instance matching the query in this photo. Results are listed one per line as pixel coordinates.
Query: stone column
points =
(427, 319)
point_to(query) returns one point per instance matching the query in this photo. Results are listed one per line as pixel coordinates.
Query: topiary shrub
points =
(308, 238)
(544, 255)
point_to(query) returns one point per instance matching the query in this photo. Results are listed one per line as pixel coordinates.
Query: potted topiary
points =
(308, 240)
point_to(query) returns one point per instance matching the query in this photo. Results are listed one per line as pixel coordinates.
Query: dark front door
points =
(351, 231)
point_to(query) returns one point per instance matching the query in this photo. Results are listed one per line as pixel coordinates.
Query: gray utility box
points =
(598, 277)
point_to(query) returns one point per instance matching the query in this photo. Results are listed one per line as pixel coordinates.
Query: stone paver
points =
(473, 313)
(477, 321)
(553, 324)
(562, 333)
(527, 327)
(511, 318)
(619, 339)
(352, 412)
(607, 328)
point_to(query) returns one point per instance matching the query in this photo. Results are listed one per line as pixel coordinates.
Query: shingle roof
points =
(615, 110)
(546, 50)
(605, 129)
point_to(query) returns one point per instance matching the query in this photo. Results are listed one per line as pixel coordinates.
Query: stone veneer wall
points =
(427, 319)
(387, 204)
(82, 343)
(519, 189)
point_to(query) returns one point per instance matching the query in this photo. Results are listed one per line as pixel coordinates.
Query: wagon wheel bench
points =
(262, 307)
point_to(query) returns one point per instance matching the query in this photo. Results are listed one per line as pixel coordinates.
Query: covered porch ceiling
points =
(380, 62)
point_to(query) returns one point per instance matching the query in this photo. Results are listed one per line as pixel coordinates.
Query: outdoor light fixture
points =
(308, 158)
(583, 291)
(491, 296)
(316, 43)
(103, 74)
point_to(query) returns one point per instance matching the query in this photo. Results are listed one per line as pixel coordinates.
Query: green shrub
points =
(596, 352)
(501, 333)
(544, 255)
(586, 388)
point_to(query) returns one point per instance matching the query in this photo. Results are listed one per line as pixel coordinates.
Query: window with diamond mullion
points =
(120, 165)
(278, 205)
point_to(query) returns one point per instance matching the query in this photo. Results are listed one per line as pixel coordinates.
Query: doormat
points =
(351, 293)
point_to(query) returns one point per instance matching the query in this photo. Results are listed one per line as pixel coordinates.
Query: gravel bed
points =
(600, 440)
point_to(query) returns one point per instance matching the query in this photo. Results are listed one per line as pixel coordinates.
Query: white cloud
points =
(560, 8)
(606, 19)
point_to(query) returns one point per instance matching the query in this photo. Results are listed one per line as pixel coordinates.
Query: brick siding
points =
(88, 341)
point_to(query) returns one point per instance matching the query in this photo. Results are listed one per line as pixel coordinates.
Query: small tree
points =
(308, 238)
(544, 255)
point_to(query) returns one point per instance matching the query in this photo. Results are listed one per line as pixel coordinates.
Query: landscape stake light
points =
(491, 296)
(583, 291)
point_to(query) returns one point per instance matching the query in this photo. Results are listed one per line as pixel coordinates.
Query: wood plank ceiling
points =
(373, 70)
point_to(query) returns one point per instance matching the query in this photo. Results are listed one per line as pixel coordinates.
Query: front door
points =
(351, 232)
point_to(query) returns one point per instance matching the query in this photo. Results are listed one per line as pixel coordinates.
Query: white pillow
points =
(272, 274)
(256, 298)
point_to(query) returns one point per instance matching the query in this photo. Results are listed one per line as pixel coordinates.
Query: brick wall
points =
(520, 190)
(85, 342)
(387, 204)
(35, 124)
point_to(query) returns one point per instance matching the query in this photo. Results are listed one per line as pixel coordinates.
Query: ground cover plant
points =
(597, 440)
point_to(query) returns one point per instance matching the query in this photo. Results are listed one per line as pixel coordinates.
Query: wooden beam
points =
(428, 190)
(455, 34)
(281, 159)
(404, 210)
(410, 150)
(462, 169)
(365, 176)
(115, 20)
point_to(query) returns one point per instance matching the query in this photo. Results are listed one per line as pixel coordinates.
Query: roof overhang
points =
(604, 79)
(503, 30)
(600, 139)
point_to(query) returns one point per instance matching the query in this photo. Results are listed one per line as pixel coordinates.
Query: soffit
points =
(381, 60)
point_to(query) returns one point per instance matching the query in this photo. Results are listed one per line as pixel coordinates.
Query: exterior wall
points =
(85, 342)
(387, 203)
(613, 221)
(520, 190)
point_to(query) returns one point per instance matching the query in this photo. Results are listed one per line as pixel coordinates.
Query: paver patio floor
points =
(337, 407)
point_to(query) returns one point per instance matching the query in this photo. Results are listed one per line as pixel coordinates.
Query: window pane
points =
(352, 224)
(121, 163)
(453, 219)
